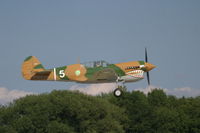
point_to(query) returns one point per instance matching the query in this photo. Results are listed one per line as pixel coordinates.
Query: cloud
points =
(7, 95)
(146, 90)
(185, 91)
(179, 92)
(95, 89)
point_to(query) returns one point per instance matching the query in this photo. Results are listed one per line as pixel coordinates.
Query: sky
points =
(60, 32)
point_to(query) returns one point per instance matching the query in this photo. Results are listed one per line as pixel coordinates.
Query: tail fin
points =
(30, 67)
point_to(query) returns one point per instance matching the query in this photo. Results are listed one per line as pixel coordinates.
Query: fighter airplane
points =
(90, 72)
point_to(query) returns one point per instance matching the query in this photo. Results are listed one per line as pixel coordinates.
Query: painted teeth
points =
(136, 73)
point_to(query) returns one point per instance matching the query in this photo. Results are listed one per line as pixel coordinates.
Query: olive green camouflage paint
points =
(32, 69)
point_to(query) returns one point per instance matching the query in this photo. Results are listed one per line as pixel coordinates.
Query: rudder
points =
(30, 67)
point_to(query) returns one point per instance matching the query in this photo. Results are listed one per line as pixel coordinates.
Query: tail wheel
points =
(117, 92)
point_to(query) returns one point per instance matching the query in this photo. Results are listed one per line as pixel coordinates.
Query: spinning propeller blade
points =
(146, 57)
(146, 60)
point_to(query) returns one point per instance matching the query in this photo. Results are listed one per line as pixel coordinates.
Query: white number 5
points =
(61, 74)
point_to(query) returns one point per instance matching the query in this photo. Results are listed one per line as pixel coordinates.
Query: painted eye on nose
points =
(141, 66)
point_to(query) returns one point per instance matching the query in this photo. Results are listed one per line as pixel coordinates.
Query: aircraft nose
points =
(149, 66)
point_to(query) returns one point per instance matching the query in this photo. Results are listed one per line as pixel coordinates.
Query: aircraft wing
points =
(107, 74)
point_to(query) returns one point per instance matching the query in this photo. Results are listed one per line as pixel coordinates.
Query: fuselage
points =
(127, 72)
(94, 72)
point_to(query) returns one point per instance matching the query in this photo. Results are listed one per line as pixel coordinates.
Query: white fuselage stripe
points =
(54, 74)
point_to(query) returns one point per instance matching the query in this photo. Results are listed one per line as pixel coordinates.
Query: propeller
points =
(146, 60)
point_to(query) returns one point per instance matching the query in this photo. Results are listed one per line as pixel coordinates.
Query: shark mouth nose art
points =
(136, 73)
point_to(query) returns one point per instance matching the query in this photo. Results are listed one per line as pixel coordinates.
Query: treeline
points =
(74, 112)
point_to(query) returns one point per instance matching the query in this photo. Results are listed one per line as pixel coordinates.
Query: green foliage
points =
(157, 98)
(74, 112)
(61, 111)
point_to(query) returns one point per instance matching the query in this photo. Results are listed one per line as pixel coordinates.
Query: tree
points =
(157, 98)
(62, 111)
(67, 111)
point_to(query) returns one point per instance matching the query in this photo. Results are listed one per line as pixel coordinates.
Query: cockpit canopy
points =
(93, 64)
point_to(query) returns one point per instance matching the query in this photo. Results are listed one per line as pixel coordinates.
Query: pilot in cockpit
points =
(97, 63)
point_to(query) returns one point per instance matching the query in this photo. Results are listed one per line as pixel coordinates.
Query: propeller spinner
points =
(148, 66)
